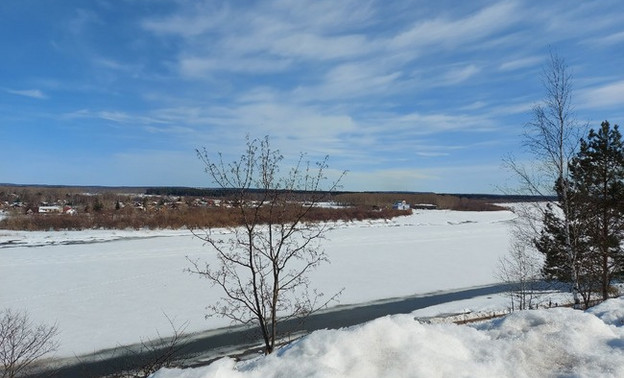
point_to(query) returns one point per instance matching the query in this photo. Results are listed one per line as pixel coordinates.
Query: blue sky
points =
(405, 95)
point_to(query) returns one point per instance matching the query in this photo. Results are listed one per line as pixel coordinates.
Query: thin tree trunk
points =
(605, 277)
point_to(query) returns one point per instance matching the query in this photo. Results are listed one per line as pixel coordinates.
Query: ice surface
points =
(105, 288)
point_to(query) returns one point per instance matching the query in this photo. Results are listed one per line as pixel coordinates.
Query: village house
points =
(49, 209)
(69, 210)
(401, 205)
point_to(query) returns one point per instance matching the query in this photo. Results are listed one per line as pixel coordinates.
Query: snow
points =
(48, 238)
(106, 288)
(611, 312)
(535, 343)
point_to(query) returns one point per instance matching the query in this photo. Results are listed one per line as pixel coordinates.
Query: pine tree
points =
(595, 215)
(557, 240)
(597, 187)
(551, 243)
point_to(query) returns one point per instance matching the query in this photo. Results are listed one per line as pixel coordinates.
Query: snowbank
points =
(557, 342)
(611, 311)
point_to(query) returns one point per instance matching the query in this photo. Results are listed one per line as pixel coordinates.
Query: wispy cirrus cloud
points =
(350, 80)
(609, 40)
(458, 75)
(606, 95)
(115, 116)
(275, 38)
(420, 124)
(191, 21)
(519, 63)
(447, 32)
(32, 93)
(380, 86)
(198, 67)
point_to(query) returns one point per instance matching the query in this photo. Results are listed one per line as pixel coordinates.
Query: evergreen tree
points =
(594, 211)
(597, 186)
(557, 240)
(551, 242)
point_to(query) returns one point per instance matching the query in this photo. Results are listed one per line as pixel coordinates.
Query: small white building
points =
(401, 205)
(69, 210)
(50, 209)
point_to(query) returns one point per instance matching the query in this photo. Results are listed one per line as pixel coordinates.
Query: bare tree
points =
(139, 360)
(551, 137)
(22, 342)
(521, 271)
(263, 266)
(152, 355)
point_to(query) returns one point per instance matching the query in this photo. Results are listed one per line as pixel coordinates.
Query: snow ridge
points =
(545, 343)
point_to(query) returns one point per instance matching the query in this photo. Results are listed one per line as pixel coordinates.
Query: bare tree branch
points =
(23, 342)
(262, 268)
(551, 138)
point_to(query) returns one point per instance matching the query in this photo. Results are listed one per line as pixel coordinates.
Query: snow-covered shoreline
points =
(535, 343)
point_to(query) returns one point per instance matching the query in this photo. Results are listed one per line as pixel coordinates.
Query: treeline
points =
(175, 207)
(174, 219)
(441, 201)
(460, 202)
(187, 191)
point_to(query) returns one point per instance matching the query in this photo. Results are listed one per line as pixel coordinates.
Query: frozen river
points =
(110, 288)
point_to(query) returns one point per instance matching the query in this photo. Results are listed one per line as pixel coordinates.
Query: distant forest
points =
(46, 207)
(218, 192)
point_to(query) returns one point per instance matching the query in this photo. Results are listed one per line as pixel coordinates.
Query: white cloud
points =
(193, 21)
(81, 20)
(445, 33)
(197, 67)
(115, 65)
(510, 109)
(457, 76)
(602, 97)
(587, 21)
(431, 154)
(417, 124)
(612, 39)
(115, 116)
(351, 80)
(264, 37)
(32, 93)
(316, 47)
(516, 64)
(324, 15)
(474, 106)
(324, 42)
(358, 80)
(306, 126)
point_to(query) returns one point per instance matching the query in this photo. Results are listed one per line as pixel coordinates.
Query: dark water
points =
(212, 345)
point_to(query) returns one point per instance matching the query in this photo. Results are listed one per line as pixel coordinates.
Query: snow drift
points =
(544, 343)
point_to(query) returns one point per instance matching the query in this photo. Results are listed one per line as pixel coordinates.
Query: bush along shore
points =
(76, 208)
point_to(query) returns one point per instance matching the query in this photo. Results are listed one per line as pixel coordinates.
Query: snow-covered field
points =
(539, 343)
(109, 288)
